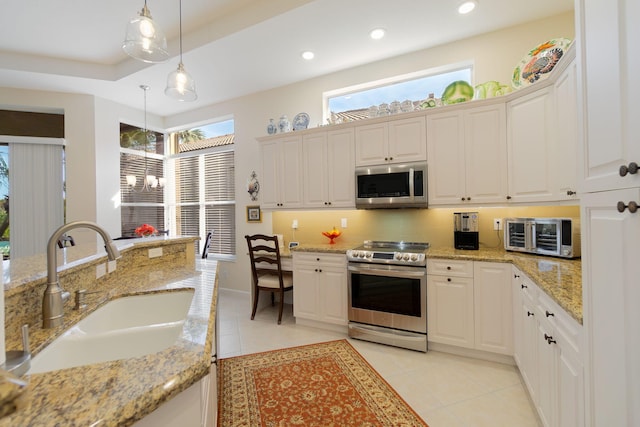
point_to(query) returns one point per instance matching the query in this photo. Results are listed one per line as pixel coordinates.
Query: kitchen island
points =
(120, 392)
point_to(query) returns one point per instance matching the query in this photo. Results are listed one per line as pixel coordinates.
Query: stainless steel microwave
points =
(544, 236)
(392, 186)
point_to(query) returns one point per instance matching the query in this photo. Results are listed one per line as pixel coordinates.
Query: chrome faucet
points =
(54, 295)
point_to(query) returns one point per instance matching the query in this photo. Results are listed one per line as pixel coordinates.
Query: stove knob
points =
(405, 257)
(368, 254)
(398, 256)
(361, 254)
(414, 257)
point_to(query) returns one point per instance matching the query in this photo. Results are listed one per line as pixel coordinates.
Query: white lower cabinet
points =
(320, 287)
(548, 353)
(194, 407)
(469, 304)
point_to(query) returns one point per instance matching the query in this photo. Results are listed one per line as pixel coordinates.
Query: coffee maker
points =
(465, 230)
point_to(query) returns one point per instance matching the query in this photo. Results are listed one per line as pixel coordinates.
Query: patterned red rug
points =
(318, 385)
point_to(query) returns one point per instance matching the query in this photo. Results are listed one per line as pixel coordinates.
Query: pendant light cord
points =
(180, 15)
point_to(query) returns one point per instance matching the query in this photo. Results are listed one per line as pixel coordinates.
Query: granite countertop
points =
(559, 278)
(120, 392)
(336, 248)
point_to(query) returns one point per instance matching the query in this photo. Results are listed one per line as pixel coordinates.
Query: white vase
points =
(284, 125)
(271, 127)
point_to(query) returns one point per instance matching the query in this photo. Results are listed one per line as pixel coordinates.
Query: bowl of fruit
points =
(332, 235)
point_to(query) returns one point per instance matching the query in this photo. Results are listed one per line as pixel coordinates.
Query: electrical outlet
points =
(155, 252)
(101, 270)
(294, 224)
(343, 223)
(497, 224)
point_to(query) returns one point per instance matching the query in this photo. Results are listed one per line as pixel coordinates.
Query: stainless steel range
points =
(388, 293)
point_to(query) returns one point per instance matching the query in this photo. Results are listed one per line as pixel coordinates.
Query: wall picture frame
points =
(254, 214)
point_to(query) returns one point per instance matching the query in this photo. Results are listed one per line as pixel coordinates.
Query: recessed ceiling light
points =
(308, 55)
(467, 6)
(377, 34)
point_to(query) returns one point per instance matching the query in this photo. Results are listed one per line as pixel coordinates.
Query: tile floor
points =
(445, 390)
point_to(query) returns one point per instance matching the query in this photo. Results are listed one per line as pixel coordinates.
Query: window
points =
(4, 201)
(138, 159)
(353, 102)
(202, 163)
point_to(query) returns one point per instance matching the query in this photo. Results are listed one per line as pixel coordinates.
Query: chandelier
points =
(149, 182)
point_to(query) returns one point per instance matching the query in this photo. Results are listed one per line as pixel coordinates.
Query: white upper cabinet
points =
(329, 169)
(282, 173)
(467, 153)
(612, 111)
(565, 160)
(394, 141)
(529, 139)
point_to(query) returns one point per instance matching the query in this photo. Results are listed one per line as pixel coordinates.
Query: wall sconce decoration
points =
(253, 186)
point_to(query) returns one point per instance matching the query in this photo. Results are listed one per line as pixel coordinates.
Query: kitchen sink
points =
(123, 328)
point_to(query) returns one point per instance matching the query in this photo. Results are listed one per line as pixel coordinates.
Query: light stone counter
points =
(559, 278)
(118, 393)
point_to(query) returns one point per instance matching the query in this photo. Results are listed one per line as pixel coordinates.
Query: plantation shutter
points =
(205, 199)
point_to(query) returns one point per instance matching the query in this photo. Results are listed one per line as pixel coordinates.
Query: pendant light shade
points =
(144, 40)
(180, 84)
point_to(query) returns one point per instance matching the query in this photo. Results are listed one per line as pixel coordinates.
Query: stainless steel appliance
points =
(465, 230)
(392, 186)
(388, 293)
(544, 236)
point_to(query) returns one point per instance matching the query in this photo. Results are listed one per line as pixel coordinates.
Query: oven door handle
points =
(409, 274)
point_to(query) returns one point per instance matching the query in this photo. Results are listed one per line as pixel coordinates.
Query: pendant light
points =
(149, 182)
(144, 40)
(180, 84)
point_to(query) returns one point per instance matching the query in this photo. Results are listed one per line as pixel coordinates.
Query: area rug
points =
(318, 385)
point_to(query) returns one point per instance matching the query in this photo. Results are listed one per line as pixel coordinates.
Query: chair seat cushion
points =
(268, 280)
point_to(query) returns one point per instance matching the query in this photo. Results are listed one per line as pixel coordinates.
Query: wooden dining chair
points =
(266, 270)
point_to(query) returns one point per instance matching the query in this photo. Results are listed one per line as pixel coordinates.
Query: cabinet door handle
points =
(631, 169)
(508, 197)
(570, 192)
(549, 339)
(316, 270)
(448, 279)
(633, 206)
(516, 276)
(548, 314)
(530, 314)
(320, 270)
(448, 267)
(523, 286)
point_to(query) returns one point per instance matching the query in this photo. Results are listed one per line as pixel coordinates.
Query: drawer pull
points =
(448, 267)
(633, 206)
(530, 314)
(516, 276)
(448, 279)
(548, 314)
(549, 339)
(632, 169)
(523, 286)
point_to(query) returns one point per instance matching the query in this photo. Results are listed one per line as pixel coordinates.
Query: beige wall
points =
(434, 226)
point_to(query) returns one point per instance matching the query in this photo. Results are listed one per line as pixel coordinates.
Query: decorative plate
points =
(300, 121)
(539, 62)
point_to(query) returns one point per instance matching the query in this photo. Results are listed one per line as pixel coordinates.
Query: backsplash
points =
(433, 225)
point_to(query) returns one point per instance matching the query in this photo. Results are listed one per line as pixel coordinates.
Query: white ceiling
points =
(231, 47)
